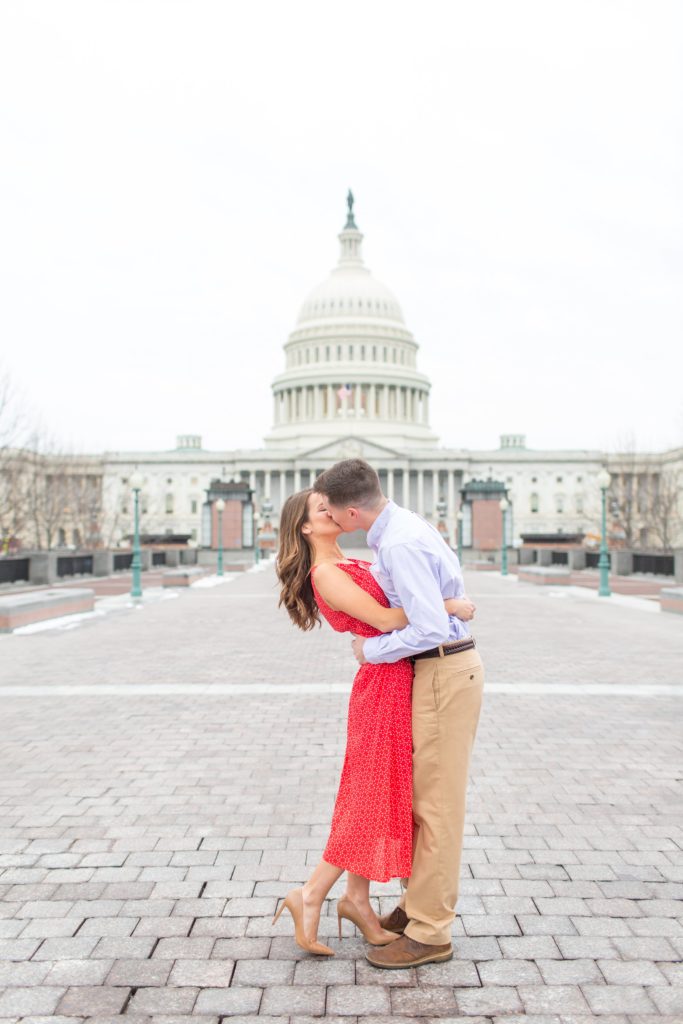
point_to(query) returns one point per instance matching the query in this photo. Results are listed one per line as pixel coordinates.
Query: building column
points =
(450, 498)
(283, 487)
(421, 491)
(317, 403)
(330, 402)
(297, 480)
(371, 402)
(252, 481)
(266, 483)
(384, 402)
(356, 400)
(390, 484)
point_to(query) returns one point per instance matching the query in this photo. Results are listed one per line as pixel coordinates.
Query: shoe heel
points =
(279, 910)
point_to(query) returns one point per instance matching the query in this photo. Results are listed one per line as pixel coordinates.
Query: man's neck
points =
(367, 519)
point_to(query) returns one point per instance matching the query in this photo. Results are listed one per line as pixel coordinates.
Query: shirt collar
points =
(380, 524)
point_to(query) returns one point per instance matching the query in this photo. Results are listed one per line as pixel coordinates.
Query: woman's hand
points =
(461, 607)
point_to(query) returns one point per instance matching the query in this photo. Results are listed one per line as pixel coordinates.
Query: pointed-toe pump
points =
(348, 910)
(294, 901)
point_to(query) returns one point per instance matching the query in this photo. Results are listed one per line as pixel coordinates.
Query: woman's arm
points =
(343, 595)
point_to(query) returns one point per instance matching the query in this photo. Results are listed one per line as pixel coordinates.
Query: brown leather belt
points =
(445, 649)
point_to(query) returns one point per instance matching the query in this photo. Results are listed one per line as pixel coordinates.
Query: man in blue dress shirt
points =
(418, 571)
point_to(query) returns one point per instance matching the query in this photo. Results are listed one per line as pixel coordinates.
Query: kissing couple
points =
(413, 712)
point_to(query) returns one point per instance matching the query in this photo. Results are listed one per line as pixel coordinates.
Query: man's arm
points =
(414, 574)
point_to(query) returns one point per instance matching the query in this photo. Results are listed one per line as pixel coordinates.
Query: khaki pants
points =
(447, 696)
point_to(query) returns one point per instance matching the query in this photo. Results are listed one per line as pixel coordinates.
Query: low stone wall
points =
(24, 609)
(181, 577)
(671, 600)
(546, 575)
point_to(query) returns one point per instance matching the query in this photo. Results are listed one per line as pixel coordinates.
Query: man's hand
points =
(357, 647)
(461, 607)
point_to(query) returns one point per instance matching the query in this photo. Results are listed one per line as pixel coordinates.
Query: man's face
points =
(345, 518)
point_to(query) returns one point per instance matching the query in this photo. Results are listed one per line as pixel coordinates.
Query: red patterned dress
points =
(372, 825)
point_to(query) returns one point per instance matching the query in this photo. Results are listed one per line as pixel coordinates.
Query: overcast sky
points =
(174, 175)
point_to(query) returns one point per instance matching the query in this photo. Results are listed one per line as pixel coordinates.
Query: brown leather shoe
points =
(396, 921)
(406, 952)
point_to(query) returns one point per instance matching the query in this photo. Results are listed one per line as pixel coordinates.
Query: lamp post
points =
(459, 518)
(220, 509)
(257, 553)
(603, 562)
(504, 506)
(136, 482)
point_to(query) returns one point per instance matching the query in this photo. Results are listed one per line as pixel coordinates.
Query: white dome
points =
(351, 291)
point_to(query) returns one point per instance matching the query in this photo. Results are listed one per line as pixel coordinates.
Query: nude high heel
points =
(294, 901)
(348, 910)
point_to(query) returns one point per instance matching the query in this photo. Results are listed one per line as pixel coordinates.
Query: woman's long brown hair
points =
(293, 564)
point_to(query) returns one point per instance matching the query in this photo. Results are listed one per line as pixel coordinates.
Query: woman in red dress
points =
(371, 832)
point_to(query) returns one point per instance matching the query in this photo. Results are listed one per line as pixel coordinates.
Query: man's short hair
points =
(350, 483)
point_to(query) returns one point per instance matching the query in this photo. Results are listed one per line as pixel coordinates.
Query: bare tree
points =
(12, 464)
(665, 508)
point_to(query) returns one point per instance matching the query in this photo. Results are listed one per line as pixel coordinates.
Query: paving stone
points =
(200, 973)
(138, 972)
(562, 999)
(296, 999)
(20, 1001)
(24, 972)
(78, 972)
(228, 1001)
(529, 947)
(490, 924)
(189, 948)
(113, 947)
(667, 999)
(509, 972)
(477, 949)
(618, 999)
(163, 927)
(494, 1000)
(570, 972)
(241, 949)
(460, 973)
(425, 1002)
(156, 1001)
(545, 924)
(645, 948)
(326, 971)
(52, 927)
(75, 948)
(93, 1001)
(263, 972)
(631, 972)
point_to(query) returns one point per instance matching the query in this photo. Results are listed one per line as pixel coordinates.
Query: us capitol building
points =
(351, 387)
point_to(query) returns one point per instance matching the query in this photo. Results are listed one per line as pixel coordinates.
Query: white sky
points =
(174, 174)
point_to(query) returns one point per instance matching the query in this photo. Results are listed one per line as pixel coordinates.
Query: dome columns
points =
(318, 403)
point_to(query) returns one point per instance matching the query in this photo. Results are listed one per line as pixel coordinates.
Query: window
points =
(362, 351)
(579, 504)
(124, 507)
(169, 504)
(193, 506)
(339, 351)
(558, 480)
(559, 503)
(534, 503)
(169, 480)
(534, 479)
(124, 480)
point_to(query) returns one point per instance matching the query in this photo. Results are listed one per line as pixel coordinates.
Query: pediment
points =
(351, 447)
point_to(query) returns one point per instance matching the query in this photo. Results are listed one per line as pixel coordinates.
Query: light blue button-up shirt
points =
(417, 571)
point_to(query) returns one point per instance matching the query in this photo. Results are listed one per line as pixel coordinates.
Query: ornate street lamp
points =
(603, 562)
(257, 553)
(459, 518)
(136, 481)
(504, 506)
(220, 509)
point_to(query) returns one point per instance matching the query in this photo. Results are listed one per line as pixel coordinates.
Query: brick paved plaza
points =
(169, 771)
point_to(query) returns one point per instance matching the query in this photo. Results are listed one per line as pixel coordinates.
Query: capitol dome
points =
(350, 363)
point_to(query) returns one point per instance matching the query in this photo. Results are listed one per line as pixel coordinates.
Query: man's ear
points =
(352, 512)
